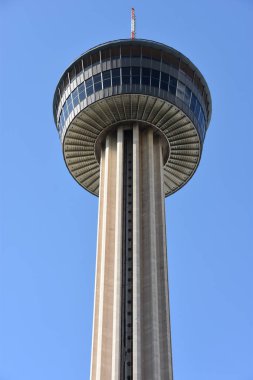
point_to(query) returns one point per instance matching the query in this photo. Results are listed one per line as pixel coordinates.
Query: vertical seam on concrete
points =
(102, 274)
(154, 282)
(137, 375)
(117, 260)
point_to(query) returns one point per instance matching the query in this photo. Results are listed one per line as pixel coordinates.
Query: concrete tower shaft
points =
(131, 332)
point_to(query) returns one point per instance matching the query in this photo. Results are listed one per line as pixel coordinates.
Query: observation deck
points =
(128, 81)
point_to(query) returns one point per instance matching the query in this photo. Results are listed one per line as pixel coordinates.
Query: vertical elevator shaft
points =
(127, 259)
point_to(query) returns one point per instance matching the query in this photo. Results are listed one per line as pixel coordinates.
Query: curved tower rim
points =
(144, 42)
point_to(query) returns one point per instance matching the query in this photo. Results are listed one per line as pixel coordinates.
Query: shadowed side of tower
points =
(131, 337)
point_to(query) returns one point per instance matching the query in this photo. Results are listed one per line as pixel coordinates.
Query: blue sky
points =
(48, 222)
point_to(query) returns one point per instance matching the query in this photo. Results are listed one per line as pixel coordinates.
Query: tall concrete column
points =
(131, 331)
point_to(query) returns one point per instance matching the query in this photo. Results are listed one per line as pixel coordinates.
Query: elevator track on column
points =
(127, 270)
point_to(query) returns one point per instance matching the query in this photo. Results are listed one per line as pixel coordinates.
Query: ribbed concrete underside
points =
(90, 123)
(131, 330)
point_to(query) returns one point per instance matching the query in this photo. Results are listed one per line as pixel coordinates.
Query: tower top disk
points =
(127, 81)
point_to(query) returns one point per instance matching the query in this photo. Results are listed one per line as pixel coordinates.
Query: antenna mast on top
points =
(133, 24)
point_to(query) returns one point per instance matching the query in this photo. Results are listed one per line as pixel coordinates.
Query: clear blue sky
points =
(48, 222)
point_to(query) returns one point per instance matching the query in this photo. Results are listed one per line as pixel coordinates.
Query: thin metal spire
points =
(133, 24)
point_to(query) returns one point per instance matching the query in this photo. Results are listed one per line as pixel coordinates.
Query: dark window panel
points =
(81, 87)
(155, 74)
(136, 75)
(165, 77)
(125, 79)
(69, 100)
(65, 109)
(126, 71)
(193, 102)
(89, 82)
(145, 72)
(173, 81)
(154, 82)
(82, 96)
(98, 86)
(136, 79)
(76, 101)
(172, 89)
(164, 86)
(135, 70)
(146, 81)
(116, 81)
(89, 90)
(70, 107)
(75, 93)
(197, 109)
(97, 78)
(107, 83)
(106, 74)
(164, 81)
(115, 73)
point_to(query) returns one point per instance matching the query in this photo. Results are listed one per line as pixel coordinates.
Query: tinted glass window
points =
(164, 81)
(135, 75)
(69, 104)
(125, 75)
(75, 93)
(65, 110)
(97, 82)
(193, 102)
(145, 76)
(89, 90)
(82, 96)
(106, 79)
(70, 107)
(197, 108)
(89, 86)
(81, 87)
(155, 75)
(98, 86)
(115, 77)
(115, 81)
(106, 74)
(97, 78)
(115, 73)
(89, 82)
(76, 101)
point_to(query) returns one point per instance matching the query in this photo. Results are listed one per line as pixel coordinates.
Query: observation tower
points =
(132, 117)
